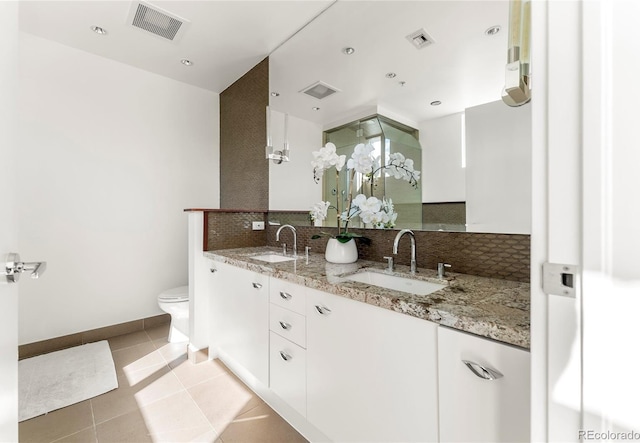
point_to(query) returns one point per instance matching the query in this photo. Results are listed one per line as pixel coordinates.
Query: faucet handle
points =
(441, 269)
(389, 263)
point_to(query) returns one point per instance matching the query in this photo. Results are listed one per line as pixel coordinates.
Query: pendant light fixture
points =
(517, 90)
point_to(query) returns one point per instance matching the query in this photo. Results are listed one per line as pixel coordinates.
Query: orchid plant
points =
(371, 210)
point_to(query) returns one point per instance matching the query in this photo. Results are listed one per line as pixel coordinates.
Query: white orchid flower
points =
(319, 211)
(361, 159)
(408, 164)
(325, 158)
(359, 200)
(372, 204)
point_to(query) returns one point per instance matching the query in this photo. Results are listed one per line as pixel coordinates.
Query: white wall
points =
(498, 178)
(291, 185)
(110, 155)
(443, 177)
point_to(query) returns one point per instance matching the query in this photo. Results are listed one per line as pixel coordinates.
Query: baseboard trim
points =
(93, 335)
(196, 356)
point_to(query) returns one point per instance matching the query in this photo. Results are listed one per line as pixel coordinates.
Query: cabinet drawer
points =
(288, 366)
(288, 295)
(288, 324)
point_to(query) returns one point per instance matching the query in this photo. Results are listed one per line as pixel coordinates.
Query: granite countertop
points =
(488, 307)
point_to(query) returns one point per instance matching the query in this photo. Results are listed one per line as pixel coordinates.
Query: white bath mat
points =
(58, 379)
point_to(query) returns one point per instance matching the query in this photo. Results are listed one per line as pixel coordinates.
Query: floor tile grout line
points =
(202, 413)
(93, 419)
(74, 433)
(203, 381)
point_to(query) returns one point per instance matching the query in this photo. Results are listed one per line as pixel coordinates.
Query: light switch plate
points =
(257, 226)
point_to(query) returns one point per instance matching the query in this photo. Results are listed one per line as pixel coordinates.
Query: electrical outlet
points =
(257, 226)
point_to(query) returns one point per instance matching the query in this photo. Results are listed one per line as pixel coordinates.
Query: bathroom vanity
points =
(346, 360)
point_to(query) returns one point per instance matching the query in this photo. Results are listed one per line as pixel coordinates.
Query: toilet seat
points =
(175, 295)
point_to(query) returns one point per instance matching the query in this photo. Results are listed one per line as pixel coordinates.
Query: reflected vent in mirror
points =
(420, 39)
(319, 90)
(157, 21)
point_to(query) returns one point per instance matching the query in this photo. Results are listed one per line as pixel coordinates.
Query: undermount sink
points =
(272, 258)
(396, 283)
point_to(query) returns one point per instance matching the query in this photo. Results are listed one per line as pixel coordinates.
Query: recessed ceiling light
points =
(348, 50)
(390, 75)
(436, 103)
(98, 30)
(492, 30)
(275, 94)
(186, 62)
(315, 108)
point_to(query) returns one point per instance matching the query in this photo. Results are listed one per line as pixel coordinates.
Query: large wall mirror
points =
(435, 66)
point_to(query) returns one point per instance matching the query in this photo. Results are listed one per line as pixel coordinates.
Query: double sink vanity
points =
(358, 352)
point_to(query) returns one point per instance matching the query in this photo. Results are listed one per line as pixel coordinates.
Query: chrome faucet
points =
(295, 241)
(413, 247)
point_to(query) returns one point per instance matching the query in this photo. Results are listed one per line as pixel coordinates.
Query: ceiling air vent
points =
(319, 90)
(157, 21)
(420, 39)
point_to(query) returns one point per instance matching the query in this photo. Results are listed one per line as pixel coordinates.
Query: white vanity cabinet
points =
(371, 373)
(343, 370)
(473, 407)
(239, 307)
(288, 336)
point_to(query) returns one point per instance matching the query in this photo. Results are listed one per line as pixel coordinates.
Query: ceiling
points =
(463, 68)
(224, 39)
(304, 39)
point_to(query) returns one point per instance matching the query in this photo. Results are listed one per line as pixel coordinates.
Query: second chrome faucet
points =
(413, 247)
(295, 241)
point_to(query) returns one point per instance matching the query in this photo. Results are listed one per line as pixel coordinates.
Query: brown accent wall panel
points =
(244, 171)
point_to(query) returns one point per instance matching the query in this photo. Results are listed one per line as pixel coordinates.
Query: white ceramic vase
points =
(337, 252)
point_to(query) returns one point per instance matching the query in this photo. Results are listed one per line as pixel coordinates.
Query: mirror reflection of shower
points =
(387, 137)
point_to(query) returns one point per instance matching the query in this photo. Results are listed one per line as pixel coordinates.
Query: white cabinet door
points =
(473, 408)
(371, 372)
(240, 318)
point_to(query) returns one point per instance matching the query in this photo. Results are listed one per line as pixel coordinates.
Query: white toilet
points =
(176, 303)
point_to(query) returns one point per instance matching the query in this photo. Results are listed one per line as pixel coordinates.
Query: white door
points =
(8, 227)
(585, 212)
(611, 233)
(556, 218)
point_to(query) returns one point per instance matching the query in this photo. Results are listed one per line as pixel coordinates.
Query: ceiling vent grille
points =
(420, 39)
(320, 90)
(157, 21)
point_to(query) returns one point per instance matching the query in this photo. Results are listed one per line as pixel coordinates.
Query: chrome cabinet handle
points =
(285, 356)
(285, 295)
(257, 285)
(284, 325)
(323, 310)
(483, 372)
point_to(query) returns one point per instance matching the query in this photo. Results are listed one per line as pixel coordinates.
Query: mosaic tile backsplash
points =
(505, 256)
(227, 230)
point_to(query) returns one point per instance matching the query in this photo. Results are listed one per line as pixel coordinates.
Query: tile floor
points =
(162, 397)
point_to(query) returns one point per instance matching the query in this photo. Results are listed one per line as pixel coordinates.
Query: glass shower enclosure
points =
(387, 137)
